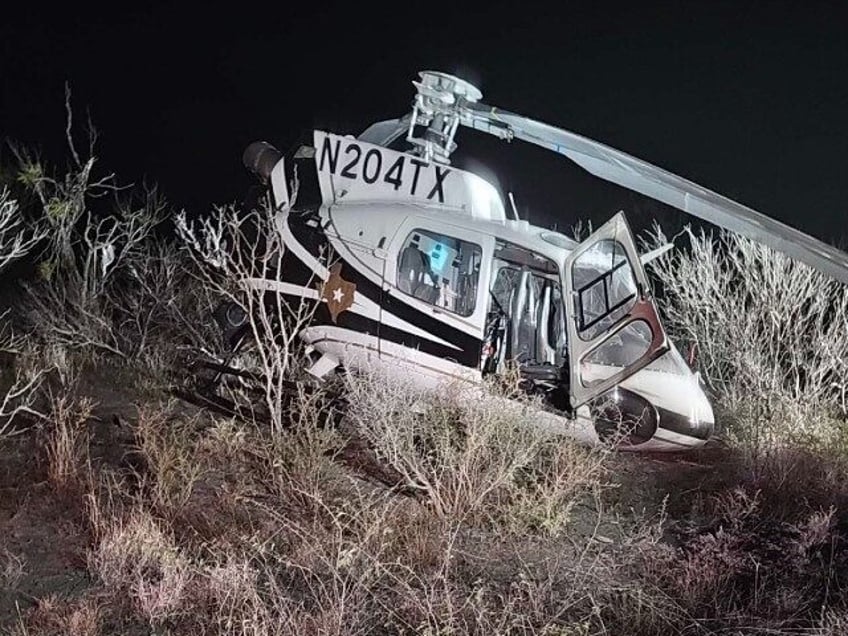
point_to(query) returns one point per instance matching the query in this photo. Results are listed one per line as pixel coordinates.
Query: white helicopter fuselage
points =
(417, 271)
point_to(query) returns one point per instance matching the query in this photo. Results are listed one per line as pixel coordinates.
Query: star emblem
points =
(337, 292)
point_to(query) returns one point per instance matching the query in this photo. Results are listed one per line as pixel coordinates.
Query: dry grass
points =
(223, 527)
(171, 467)
(211, 525)
(12, 569)
(55, 616)
(137, 557)
(67, 443)
(293, 542)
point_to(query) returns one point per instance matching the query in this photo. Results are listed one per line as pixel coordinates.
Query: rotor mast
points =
(440, 106)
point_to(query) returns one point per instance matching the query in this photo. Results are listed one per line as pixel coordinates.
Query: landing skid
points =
(355, 453)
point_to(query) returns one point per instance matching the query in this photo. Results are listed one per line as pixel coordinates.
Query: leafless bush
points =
(107, 284)
(771, 336)
(19, 398)
(239, 256)
(19, 393)
(162, 311)
(16, 237)
(91, 259)
(835, 622)
(473, 456)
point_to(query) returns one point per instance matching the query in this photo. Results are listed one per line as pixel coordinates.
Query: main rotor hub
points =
(439, 105)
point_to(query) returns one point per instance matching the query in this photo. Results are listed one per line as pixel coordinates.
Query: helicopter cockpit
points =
(526, 321)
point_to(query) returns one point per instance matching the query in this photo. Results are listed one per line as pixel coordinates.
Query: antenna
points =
(439, 105)
(514, 208)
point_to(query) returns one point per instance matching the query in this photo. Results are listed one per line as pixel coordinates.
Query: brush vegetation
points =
(124, 511)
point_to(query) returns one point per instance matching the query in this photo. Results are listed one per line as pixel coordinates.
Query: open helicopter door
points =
(613, 326)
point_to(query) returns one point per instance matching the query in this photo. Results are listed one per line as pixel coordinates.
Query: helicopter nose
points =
(624, 417)
(672, 411)
(690, 415)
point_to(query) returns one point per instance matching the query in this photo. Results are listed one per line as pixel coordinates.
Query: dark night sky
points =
(748, 98)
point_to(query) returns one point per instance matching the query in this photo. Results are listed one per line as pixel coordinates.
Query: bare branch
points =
(69, 122)
(771, 333)
(239, 256)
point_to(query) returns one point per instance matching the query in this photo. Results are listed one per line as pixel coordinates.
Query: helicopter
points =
(434, 280)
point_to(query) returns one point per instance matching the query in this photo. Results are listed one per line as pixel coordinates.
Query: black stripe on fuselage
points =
(313, 239)
(682, 425)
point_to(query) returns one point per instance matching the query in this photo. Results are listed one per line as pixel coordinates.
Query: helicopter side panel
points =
(352, 299)
(352, 171)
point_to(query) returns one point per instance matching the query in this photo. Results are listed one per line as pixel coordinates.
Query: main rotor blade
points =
(640, 176)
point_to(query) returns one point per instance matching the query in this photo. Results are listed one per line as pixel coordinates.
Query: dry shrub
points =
(333, 570)
(555, 481)
(795, 481)
(739, 566)
(318, 574)
(168, 447)
(108, 284)
(18, 395)
(238, 255)
(770, 335)
(506, 585)
(67, 443)
(772, 348)
(18, 392)
(316, 550)
(835, 623)
(137, 557)
(54, 616)
(476, 456)
(300, 458)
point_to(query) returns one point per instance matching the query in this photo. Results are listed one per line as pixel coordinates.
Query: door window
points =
(613, 326)
(618, 352)
(605, 285)
(440, 270)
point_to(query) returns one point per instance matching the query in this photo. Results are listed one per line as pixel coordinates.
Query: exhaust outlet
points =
(260, 157)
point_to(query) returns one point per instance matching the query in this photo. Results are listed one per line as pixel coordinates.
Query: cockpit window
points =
(440, 270)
